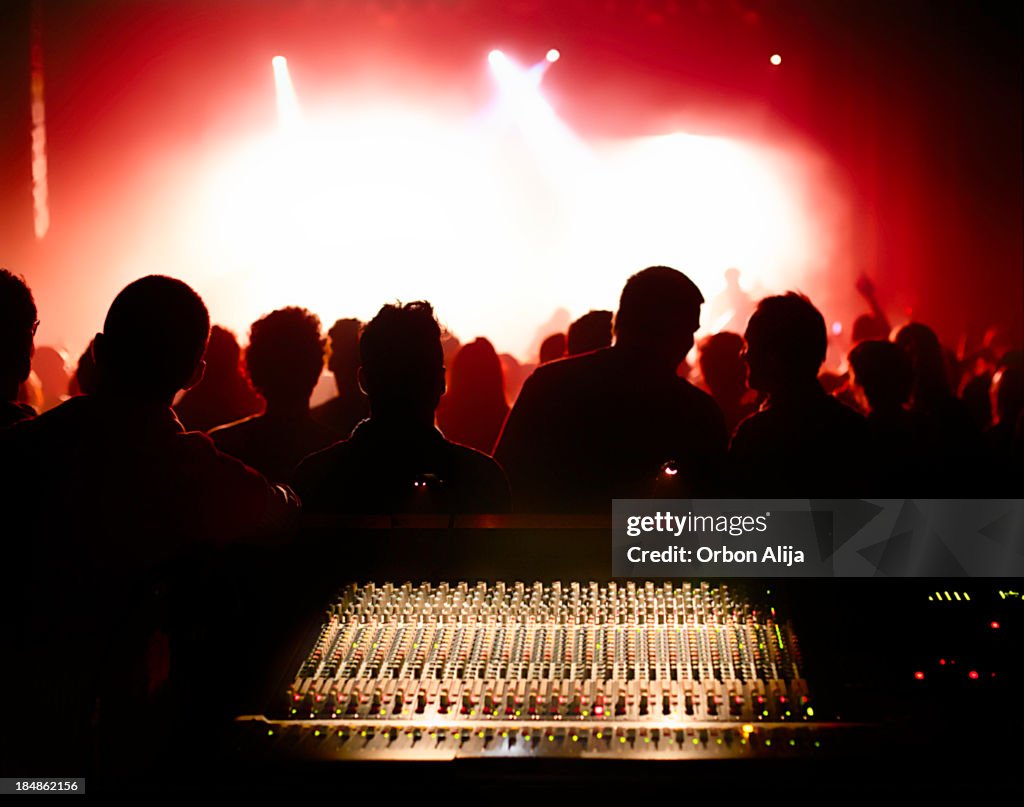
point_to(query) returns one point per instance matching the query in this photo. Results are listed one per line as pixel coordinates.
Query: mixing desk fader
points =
(673, 670)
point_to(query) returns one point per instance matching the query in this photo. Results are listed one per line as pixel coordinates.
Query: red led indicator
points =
(994, 625)
(919, 675)
(973, 675)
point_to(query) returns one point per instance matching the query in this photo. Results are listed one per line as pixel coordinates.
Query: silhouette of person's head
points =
(344, 355)
(83, 381)
(659, 310)
(722, 366)
(732, 278)
(153, 340)
(17, 329)
(553, 347)
(477, 374)
(882, 371)
(402, 370)
(223, 355)
(285, 356)
(927, 361)
(592, 331)
(868, 327)
(786, 343)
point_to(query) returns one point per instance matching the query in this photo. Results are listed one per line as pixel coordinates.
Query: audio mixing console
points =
(632, 670)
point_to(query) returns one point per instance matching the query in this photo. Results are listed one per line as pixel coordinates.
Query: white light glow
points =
(287, 103)
(380, 204)
(498, 219)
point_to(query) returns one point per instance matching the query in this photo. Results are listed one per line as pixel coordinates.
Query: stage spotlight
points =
(775, 59)
(496, 57)
(287, 102)
(553, 55)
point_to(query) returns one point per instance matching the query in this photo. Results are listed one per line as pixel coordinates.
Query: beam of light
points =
(553, 55)
(288, 114)
(776, 59)
(40, 187)
(563, 157)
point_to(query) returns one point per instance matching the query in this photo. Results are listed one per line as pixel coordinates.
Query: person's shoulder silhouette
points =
(605, 424)
(341, 413)
(223, 394)
(396, 460)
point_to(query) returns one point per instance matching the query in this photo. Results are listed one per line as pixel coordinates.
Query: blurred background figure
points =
(730, 309)
(720, 357)
(224, 395)
(874, 325)
(868, 326)
(341, 413)
(50, 366)
(284, 361)
(474, 408)
(515, 375)
(83, 380)
(552, 348)
(592, 331)
(948, 433)
(881, 378)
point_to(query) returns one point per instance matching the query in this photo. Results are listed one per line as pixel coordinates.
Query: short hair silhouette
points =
(883, 371)
(285, 356)
(592, 331)
(659, 307)
(402, 359)
(153, 337)
(344, 346)
(786, 341)
(552, 348)
(17, 329)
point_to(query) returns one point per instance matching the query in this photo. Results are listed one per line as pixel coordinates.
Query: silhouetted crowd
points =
(169, 442)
